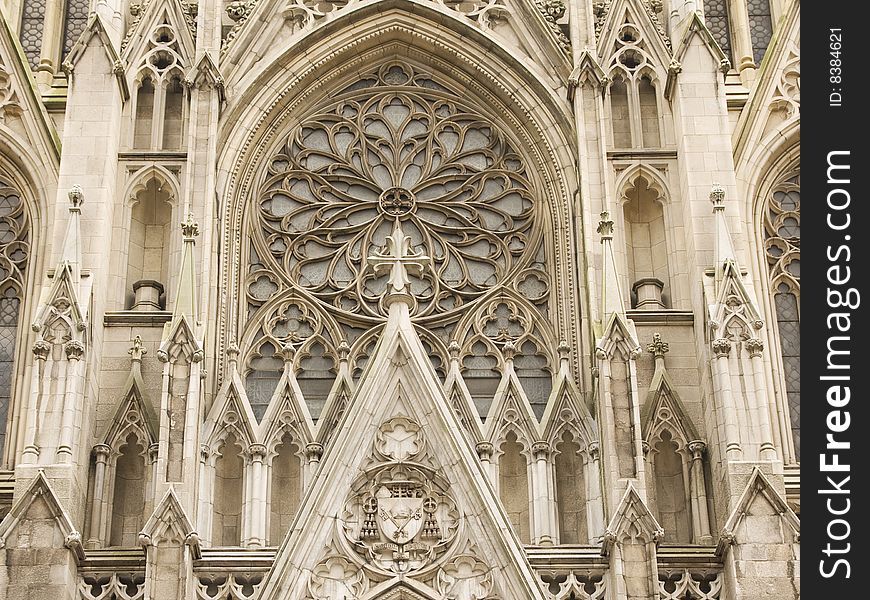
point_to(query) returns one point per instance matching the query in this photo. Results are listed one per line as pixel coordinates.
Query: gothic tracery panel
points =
(396, 144)
(782, 238)
(14, 253)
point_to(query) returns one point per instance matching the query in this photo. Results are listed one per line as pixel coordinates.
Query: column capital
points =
(484, 450)
(721, 347)
(755, 347)
(541, 450)
(313, 451)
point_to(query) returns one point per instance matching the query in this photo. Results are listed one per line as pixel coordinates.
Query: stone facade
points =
(468, 300)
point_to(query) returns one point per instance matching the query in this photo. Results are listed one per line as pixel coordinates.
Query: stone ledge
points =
(660, 317)
(136, 318)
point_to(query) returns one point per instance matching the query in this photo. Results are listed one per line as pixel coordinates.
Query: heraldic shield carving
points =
(400, 517)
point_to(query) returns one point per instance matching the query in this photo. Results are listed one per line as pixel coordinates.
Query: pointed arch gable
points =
(231, 412)
(287, 412)
(664, 411)
(511, 411)
(134, 413)
(134, 46)
(140, 179)
(621, 12)
(566, 410)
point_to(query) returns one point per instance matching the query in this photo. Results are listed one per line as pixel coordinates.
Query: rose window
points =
(394, 145)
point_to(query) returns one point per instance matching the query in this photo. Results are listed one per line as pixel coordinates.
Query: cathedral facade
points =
(399, 299)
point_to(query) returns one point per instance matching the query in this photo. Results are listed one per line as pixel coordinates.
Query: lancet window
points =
(14, 255)
(634, 99)
(782, 244)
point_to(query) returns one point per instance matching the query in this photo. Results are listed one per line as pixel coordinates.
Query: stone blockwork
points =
(399, 299)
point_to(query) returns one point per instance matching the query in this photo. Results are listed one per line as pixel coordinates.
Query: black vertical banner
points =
(835, 440)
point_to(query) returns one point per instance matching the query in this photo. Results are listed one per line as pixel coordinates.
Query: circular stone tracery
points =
(397, 202)
(395, 144)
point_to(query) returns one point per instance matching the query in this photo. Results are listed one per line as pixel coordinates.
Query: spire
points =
(611, 292)
(71, 253)
(723, 249)
(185, 296)
(399, 259)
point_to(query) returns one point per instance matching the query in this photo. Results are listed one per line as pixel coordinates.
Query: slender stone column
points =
(40, 355)
(101, 455)
(74, 351)
(756, 347)
(540, 500)
(257, 500)
(722, 348)
(701, 518)
(485, 451)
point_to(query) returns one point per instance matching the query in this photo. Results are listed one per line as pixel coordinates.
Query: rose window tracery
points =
(394, 145)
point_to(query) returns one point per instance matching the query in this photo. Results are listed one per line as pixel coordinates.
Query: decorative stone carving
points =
(336, 578)
(657, 347)
(332, 191)
(400, 517)
(399, 439)
(685, 584)
(464, 578)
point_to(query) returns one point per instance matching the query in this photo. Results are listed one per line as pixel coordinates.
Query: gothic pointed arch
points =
(463, 270)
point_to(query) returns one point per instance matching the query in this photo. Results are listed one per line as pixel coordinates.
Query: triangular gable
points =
(152, 14)
(632, 518)
(399, 415)
(511, 409)
(619, 332)
(638, 14)
(662, 395)
(566, 409)
(20, 101)
(731, 286)
(461, 401)
(96, 27)
(205, 73)
(588, 70)
(694, 26)
(774, 101)
(179, 337)
(231, 411)
(40, 490)
(169, 522)
(759, 486)
(133, 404)
(287, 410)
(336, 401)
(62, 294)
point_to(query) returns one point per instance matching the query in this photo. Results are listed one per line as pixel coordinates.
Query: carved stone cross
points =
(399, 259)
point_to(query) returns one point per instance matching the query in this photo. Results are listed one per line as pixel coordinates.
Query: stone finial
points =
(233, 355)
(605, 226)
(398, 259)
(288, 352)
(137, 350)
(657, 347)
(509, 350)
(190, 228)
(717, 197)
(453, 349)
(343, 351)
(76, 197)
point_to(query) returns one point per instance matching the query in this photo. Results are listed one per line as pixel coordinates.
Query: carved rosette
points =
(399, 516)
